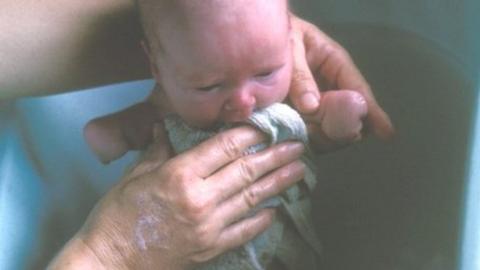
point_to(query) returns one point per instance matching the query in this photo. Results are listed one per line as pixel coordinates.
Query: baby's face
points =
(221, 68)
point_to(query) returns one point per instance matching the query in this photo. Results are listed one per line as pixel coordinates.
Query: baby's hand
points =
(338, 121)
(335, 116)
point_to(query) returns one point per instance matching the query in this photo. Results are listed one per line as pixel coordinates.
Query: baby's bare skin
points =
(341, 115)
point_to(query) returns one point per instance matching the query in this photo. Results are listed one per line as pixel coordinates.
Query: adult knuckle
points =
(171, 171)
(284, 174)
(291, 173)
(300, 75)
(247, 171)
(312, 28)
(189, 197)
(337, 51)
(250, 197)
(229, 145)
(182, 175)
(193, 210)
(205, 237)
(313, 35)
(246, 232)
(195, 207)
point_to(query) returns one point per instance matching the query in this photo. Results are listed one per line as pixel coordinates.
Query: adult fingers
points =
(340, 71)
(238, 234)
(379, 122)
(273, 184)
(304, 92)
(248, 169)
(330, 61)
(220, 150)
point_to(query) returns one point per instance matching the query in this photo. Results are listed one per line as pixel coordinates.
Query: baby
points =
(222, 62)
(218, 61)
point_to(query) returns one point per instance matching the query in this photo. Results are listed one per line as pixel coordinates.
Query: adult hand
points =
(182, 212)
(318, 58)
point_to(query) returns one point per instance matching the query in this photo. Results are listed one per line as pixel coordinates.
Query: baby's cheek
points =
(201, 116)
(271, 95)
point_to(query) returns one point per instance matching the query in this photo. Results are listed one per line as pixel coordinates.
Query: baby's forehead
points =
(167, 13)
(193, 28)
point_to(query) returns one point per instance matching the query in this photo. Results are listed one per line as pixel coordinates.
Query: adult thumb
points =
(304, 92)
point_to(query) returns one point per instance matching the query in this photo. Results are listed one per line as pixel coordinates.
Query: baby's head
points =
(218, 60)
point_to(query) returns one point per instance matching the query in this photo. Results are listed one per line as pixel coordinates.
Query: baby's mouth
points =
(230, 120)
(238, 115)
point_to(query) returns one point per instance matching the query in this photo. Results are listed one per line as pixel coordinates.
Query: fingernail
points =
(309, 102)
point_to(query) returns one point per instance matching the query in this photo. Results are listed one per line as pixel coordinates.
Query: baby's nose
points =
(240, 104)
(241, 99)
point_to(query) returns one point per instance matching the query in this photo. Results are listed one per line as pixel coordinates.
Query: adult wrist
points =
(76, 255)
(105, 244)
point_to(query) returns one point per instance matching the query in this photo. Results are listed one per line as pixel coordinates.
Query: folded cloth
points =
(281, 123)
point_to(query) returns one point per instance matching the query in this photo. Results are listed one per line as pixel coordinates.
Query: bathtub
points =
(411, 203)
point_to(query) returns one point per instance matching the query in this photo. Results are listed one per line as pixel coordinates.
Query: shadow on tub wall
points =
(398, 205)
